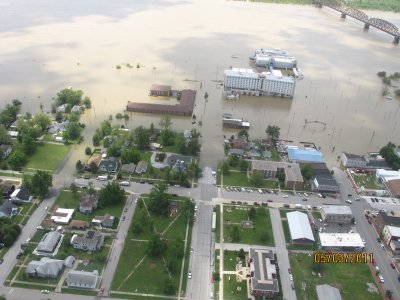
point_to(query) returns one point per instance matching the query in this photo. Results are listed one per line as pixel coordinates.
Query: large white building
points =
(300, 229)
(246, 81)
(341, 242)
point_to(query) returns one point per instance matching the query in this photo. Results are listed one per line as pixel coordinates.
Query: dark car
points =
(1, 260)
(304, 199)
(19, 255)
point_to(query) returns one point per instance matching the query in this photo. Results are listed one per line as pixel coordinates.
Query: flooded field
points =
(47, 46)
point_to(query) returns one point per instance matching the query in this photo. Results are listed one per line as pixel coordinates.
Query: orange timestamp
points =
(343, 258)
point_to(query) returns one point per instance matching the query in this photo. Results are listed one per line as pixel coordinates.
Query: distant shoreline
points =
(387, 5)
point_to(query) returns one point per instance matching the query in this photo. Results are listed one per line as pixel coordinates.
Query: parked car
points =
(382, 246)
(1, 260)
(392, 265)
(19, 255)
(290, 271)
(45, 291)
(381, 278)
(291, 277)
(190, 275)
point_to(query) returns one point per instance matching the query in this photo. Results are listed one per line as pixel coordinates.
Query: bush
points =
(88, 151)
(119, 116)
(381, 74)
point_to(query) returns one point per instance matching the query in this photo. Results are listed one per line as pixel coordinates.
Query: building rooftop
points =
(49, 242)
(337, 209)
(82, 279)
(390, 220)
(299, 226)
(161, 88)
(304, 155)
(264, 278)
(62, 215)
(292, 170)
(394, 187)
(355, 157)
(394, 231)
(327, 292)
(341, 240)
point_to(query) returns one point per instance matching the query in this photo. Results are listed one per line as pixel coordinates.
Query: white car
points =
(46, 208)
(45, 291)
(190, 275)
(125, 183)
(291, 277)
(381, 278)
(348, 201)
(285, 196)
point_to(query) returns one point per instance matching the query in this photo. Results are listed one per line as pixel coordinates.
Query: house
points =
(88, 203)
(300, 229)
(8, 209)
(236, 152)
(62, 215)
(336, 213)
(5, 151)
(154, 135)
(327, 292)
(155, 146)
(21, 195)
(13, 134)
(267, 154)
(81, 279)
(322, 180)
(58, 127)
(160, 90)
(383, 219)
(393, 186)
(69, 261)
(62, 108)
(48, 243)
(7, 189)
(353, 160)
(263, 280)
(128, 168)
(77, 109)
(92, 160)
(92, 241)
(341, 242)
(178, 163)
(240, 143)
(106, 221)
(253, 153)
(109, 165)
(391, 234)
(45, 268)
(141, 167)
(78, 224)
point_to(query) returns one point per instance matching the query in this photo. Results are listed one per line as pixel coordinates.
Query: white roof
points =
(277, 72)
(337, 209)
(387, 175)
(394, 231)
(341, 240)
(242, 72)
(299, 226)
(272, 77)
(62, 215)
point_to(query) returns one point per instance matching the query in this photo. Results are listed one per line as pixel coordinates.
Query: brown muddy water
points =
(49, 45)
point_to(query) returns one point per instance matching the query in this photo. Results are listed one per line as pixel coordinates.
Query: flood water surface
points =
(48, 45)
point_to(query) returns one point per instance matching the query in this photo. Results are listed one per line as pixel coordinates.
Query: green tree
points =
(141, 137)
(17, 159)
(28, 144)
(180, 144)
(130, 155)
(69, 96)
(42, 120)
(9, 232)
(105, 128)
(257, 179)
(156, 246)
(74, 190)
(114, 151)
(388, 294)
(159, 199)
(381, 74)
(273, 132)
(4, 137)
(79, 166)
(97, 137)
(59, 117)
(243, 165)
(241, 254)
(172, 263)
(243, 134)
(397, 92)
(251, 213)
(88, 151)
(87, 102)
(194, 170)
(234, 161)
(73, 131)
(165, 122)
(193, 146)
(112, 194)
(40, 183)
(307, 171)
(235, 234)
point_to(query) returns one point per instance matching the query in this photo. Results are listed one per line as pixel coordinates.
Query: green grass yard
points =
(238, 178)
(47, 157)
(351, 279)
(234, 290)
(231, 260)
(260, 234)
(218, 223)
(367, 181)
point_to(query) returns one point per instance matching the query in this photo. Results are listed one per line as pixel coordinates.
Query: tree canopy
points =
(130, 155)
(159, 199)
(389, 154)
(156, 246)
(111, 194)
(39, 183)
(69, 96)
(307, 171)
(9, 232)
(273, 132)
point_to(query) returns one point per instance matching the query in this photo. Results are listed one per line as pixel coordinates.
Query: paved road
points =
(118, 245)
(199, 287)
(282, 255)
(381, 257)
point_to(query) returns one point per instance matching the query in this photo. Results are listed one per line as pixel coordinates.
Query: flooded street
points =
(47, 46)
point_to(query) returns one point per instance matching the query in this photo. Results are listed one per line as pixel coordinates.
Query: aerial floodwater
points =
(49, 45)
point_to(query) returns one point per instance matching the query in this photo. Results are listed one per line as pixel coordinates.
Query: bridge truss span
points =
(356, 14)
(384, 26)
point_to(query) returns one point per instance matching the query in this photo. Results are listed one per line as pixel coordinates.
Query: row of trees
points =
(70, 97)
(9, 232)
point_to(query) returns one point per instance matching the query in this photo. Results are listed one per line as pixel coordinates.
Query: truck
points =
(299, 206)
(102, 178)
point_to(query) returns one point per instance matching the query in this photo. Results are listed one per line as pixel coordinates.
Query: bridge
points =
(380, 24)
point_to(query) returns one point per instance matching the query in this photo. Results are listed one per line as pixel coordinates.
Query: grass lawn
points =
(275, 155)
(367, 181)
(260, 234)
(286, 231)
(238, 178)
(231, 260)
(217, 231)
(351, 279)
(47, 157)
(66, 290)
(136, 297)
(3, 251)
(66, 200)
(216, 269)
(316, 215)
(234, 290)
(9, 174)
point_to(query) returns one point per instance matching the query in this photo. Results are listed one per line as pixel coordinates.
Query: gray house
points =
(128, 168)
(8, 209)
(44, 268)
(5, 151)
(109, 165)
(88, 203)
(106, 221)
(81, 279)
(21, 195)
(49, 243)
(141, 167)
(92, 241)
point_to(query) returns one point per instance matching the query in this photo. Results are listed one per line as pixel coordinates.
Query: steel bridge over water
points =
(380, 24)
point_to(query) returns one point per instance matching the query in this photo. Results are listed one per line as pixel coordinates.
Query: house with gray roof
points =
(44, 268)
(178, 163)
(141, 167)
(263, 275)
(81, 279)
(109, 165)
(88, 203)
(91, 241)
(236, 152)
(48, 243)
(8, 209)
(69, 261)
(21, 195)
(327, 292)
(128, 168)
(106, 221)
(5, 151)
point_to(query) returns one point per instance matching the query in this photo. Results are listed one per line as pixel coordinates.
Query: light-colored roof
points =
(83, 279)
(305, 155)
(46, 267)
(299, 226)
(387, 175)
(394, 231)
(341, 240)
(62, 215)
(69, 261)
(327, 292)
(337, 209)
(49, 242)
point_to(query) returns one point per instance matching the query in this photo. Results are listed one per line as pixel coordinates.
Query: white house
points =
(81, 279)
